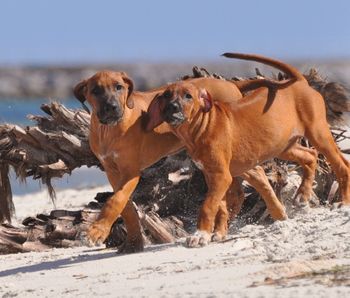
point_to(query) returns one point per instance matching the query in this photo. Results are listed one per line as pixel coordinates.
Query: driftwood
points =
(57, 145)
(63, 228)
(167, 197)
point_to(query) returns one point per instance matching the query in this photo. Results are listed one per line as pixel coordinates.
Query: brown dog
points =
(118, 139)
(228, 139)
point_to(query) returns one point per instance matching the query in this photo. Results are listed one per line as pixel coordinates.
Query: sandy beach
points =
(306, 256)
(76, 82)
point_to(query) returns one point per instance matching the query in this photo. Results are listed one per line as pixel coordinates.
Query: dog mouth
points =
(111, 119)
(172, 113)
(110, 113)
(175, 119)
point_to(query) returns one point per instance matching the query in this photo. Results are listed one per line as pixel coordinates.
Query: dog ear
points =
(79, 92)
(153, 117)
(206, 100)
(129, 100)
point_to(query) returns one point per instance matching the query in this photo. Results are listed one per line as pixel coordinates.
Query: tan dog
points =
(228, 139)
(118, 139)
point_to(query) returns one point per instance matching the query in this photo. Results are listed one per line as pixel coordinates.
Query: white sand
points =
(40, 202)
(309, 242)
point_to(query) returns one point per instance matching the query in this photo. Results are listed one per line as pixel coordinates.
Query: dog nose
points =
(173, 107)
(110, 107)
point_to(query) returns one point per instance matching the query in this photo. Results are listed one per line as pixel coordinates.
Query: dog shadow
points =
(81, 258)
(161, 247)
(270, 99)
(62, 263)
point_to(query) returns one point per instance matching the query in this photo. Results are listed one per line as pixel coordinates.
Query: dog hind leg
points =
(321, 137)
(307, 159)
(256, 177)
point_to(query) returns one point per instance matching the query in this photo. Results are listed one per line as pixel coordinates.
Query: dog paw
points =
(198, 239)
(133, 245)
(300, 202)
(98, 233)
(279, 214)
(314, 201)
(304, 201)
(339, 205)
(217, 237)
(84, 239)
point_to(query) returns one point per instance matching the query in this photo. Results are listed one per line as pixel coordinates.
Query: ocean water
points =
(80, 179)
(15, 111)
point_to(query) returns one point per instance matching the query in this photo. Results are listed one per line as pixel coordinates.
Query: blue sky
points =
(79, 31)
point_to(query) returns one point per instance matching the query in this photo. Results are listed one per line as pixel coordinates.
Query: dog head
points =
(177, 105)
(108, 93)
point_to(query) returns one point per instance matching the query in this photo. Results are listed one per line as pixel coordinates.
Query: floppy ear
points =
(129, 100)
(206, 100)
(153, 117)
(79, 92)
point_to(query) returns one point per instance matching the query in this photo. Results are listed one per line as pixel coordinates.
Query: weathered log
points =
(157, 228)
(56, 146)
(63, 228)
(6, 204)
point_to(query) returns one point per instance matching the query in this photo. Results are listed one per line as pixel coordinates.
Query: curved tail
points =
(288, 69)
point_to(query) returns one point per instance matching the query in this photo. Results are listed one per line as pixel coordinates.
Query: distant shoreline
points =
(57, 82)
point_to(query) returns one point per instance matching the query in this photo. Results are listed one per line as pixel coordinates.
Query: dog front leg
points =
(100, 229)
(221, 222)
(229, 208)
(218, 184)
(134, 239)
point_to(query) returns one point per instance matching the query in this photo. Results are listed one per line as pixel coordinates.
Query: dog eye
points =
(167, 94)
(96, 90)
(188, 96)
(118, 87)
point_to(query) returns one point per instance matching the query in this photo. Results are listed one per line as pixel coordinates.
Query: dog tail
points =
(291, 71)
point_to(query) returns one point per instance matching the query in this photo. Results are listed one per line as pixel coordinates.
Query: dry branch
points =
(56, 146)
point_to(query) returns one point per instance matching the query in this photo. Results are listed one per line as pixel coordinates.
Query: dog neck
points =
(103, 129)
(191, 131)
(106, 135)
